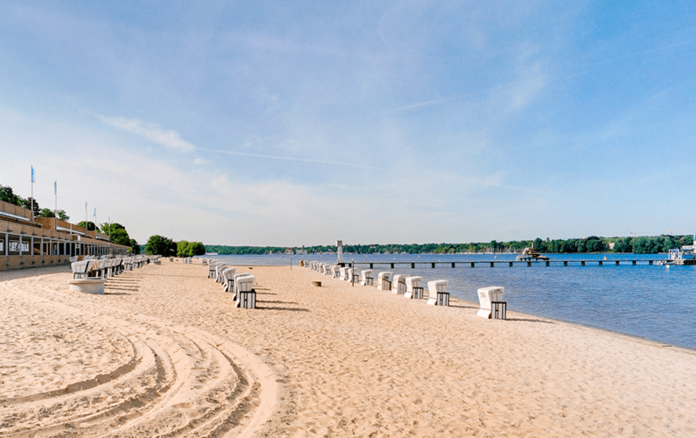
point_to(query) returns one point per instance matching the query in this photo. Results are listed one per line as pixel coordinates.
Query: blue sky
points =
(299, 123)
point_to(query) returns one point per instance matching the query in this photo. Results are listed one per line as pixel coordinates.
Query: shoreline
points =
(346, 361)
(637, 337)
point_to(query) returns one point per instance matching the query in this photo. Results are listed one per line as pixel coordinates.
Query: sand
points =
(170, 355)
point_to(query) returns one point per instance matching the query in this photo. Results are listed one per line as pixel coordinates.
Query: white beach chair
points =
(437, 293)
(236, 277)
(218, 273)
(327, 269)
(366, 277)
(491, 304)
(79, 269)
(383, 281)
(399, 284)
(97, 268)
(413, 288)
(336, 271)
(228, 274)
(349, 274)
(344, 274)
(246, 295)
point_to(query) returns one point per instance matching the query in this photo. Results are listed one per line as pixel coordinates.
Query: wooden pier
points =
(509, 263)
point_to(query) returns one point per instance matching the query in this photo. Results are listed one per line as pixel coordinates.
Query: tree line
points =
(166, 247)
(592, 244)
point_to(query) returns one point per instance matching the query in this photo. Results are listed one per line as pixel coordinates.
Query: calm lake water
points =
(653, 302)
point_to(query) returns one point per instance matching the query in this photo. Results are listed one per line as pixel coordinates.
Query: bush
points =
(160, 245)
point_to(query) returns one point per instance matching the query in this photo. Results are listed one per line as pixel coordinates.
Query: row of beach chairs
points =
(408, 286)
(108, 267)
(491, 301)
(241, 285)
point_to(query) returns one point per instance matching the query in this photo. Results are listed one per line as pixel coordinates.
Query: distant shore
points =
(338, 360)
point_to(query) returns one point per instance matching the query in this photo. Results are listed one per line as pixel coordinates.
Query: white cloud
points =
(198, 161)
(151, 131)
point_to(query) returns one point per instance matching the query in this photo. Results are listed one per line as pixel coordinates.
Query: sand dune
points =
(174, 357)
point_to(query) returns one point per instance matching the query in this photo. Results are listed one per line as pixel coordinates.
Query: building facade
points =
(31, 243)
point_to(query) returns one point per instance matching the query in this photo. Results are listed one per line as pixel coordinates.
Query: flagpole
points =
(32, 193)
(55, 209)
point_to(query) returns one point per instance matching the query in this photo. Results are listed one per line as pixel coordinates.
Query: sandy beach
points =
(172, 356)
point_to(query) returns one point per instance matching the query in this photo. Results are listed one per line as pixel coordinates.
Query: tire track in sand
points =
(181, 381)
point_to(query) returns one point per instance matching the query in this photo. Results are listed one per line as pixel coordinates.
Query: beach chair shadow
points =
(530, 320)
(463, 306)
(290, 309)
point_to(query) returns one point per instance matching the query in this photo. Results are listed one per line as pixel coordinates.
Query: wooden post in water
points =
(650, 262)
(582, 263)
(453, 264)
(634, 262)
(511, 264)
(548, 263)
(432, 265)
(565, 263)
(529, 264)
(371, 265)
(617, 263)
(492, 264)
(601, 263)
(473, 264)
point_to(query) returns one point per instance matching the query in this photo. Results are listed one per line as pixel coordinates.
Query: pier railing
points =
(510, 263)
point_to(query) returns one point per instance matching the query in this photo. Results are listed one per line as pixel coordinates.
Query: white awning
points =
(70, 231)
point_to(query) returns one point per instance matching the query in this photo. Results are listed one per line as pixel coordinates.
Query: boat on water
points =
(530, 253)
(686, 255)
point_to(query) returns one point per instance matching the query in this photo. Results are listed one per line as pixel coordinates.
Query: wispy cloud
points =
(277, 157)
(172, 139)
(150, 131)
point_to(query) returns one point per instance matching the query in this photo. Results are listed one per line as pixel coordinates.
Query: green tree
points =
(594, 244)
(182, 249)
(160, 245)
(623, 244)
(47, 212)
(8, 195)
(108, 228)
(90, 225)
(197, 248)
(26, 203)
(135, 248)
(120, 236)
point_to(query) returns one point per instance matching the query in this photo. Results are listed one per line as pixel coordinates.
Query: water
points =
(653, 302)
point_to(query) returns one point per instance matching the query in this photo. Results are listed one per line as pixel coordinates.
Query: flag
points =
(32, 175)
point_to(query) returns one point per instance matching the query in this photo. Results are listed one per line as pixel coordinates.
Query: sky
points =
(299, 123)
